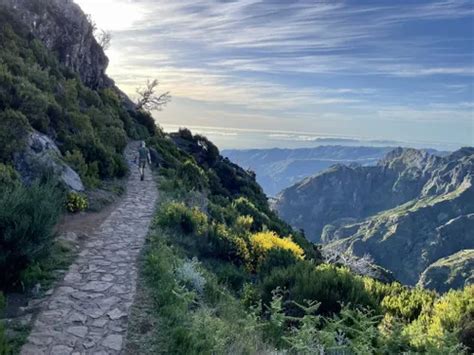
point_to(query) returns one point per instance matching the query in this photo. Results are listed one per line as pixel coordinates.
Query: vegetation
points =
(228, 270)
(27, 218)
(76, 202)
(4, 348)
(90, 127)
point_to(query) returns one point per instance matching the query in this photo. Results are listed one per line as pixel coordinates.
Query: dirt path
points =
(87, 312)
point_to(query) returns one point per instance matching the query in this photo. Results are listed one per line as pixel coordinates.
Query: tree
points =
(149, 100)
(337, 254)
(104, 38)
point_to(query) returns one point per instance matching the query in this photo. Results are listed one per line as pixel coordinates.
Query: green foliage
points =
(13, 133)
(9, 178)
(192, 176)
(176, 214)
(89, 173)
(37, 92)
(214, 323)
(439, 324)
(76, 202)
(4, 348)
(331, 286)
(27, 218)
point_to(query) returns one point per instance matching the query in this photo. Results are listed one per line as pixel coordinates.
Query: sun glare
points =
(112, 15)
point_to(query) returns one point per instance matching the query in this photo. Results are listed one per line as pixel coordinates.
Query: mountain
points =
(59, 111)
(409, 211)
(277, 169)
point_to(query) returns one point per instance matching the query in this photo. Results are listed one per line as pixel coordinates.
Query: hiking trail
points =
(88, 311)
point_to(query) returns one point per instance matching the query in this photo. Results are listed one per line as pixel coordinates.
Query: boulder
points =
(41, 156)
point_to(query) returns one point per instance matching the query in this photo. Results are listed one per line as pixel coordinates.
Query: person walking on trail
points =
(143, 159)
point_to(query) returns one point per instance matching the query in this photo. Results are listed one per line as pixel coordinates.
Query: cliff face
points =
(407, 212)
(64, 29)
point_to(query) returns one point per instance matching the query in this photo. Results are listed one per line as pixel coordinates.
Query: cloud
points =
(298, 61)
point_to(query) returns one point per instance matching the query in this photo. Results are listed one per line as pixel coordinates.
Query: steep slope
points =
(454, 271)
(407, 212)
(57, 106)
(277, 169)
(354, 192)
(64, 29)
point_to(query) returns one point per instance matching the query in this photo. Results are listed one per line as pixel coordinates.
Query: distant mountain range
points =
(413, 213)
(278, 169)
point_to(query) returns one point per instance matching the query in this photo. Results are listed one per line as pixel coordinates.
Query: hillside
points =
(277, 169)
(451, 272)
(407, 212)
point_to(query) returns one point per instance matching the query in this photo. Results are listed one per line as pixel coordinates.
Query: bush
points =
(439, 325)
(8, 177)
(193, 177)
(329, 285)
(246, 208)
(89, 173)
(76, 202)
(13, 133)
(178, 215)
(263, 242)
(189, 273)
(27, 218)
(4, 348)
(185, 133)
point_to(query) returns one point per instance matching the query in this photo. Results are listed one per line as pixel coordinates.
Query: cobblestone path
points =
(87, 312)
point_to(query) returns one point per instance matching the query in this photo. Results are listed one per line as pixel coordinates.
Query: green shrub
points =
(193, 176)
(76, 202)
(439, 325)
(27, 218)
(4, 348)
(185, 133)
(331, 286)
(89, 173)
(178, 215)
(246, 208)
(13, 133)
(8, 177)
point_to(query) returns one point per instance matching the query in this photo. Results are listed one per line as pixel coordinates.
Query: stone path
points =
(87, 312)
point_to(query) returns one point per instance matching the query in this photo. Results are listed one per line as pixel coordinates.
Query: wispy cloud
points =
(317, 60)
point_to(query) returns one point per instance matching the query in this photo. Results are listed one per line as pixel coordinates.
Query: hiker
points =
(143, 159)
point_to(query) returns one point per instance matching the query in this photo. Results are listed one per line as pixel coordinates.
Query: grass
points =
(173, 315)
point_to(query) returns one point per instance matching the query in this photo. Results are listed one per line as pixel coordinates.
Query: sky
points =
(378, 70)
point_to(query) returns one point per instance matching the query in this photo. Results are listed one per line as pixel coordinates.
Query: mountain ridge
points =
(406, 212)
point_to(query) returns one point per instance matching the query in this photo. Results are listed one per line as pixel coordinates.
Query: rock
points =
(64, 29)
(61, 350)
(40, 155)
(113, 342)
(96, 286)
(116, 314)
(79, 331)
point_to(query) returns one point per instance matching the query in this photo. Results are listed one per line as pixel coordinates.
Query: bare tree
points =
(360, 265)
(104, 39)
(149, 100)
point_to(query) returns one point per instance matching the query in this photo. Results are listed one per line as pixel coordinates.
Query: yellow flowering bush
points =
(76, 202)
(262, 242)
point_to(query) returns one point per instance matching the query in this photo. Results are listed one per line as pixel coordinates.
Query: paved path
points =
(87, 312)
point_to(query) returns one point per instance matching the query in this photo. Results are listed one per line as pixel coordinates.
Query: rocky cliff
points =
(65, 30)
(407, 212)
